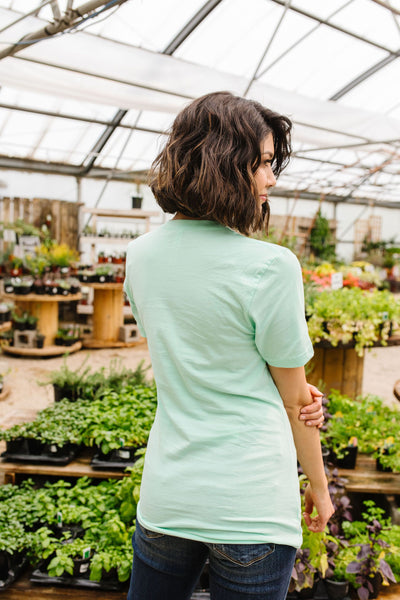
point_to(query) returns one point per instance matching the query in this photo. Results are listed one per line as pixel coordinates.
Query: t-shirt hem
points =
(294, 540)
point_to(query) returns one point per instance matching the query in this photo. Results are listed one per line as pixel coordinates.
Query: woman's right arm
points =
(295, 393)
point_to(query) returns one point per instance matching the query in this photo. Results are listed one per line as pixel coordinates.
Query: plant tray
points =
(42, 577)
(118, 459)
(16, 566)
(32, 451)
(319, 594)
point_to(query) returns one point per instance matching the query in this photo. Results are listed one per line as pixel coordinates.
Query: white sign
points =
(336, 281)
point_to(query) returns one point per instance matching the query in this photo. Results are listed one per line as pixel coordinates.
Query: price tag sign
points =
(336, 281)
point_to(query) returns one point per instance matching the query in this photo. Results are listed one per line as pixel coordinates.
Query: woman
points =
(223, 314)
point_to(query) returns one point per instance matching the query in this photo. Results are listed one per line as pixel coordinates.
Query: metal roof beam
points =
(361, 38)
(190, 26)
(394, 10)
(34, 11)
(368, 73)
(102, 141)
(51, 113)
(38, 166)
(301, 39)
(333, 198)
(71, 18)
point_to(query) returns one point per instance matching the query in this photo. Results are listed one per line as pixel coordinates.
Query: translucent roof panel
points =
(60, 96)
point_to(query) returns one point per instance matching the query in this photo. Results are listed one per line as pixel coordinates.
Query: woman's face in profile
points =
(264, 176)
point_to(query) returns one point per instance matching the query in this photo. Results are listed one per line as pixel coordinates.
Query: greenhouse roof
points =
(89, 89)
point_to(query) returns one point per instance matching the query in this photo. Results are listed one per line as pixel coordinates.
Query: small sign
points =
(59, 518)
(124, 454)
(86, 552)
(336, 281)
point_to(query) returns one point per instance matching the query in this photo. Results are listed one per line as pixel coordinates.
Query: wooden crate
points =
(337, 368)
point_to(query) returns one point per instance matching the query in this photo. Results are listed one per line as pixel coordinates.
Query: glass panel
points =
(67, 141)
(150, 24)
(322, 64)
(376, 23)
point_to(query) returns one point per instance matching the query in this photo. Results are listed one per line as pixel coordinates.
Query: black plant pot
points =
(64, 392)
(336, 590)
(81, 567)
(380, 467)
(22, 290)
(40, 342)
(8, 288)
(349, 459)
(38, 289)
(376, 583)
(309, 592)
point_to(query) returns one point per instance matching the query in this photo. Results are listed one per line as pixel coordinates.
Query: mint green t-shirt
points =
(215, 307)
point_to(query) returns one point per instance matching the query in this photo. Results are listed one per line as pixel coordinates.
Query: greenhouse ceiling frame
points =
(88, 168)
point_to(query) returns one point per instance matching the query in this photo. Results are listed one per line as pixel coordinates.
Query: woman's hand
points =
(312, 413)
(322, 502)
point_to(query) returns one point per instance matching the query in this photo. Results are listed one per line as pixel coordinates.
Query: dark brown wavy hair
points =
(206, 169)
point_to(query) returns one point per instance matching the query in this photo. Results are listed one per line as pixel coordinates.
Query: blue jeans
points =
(168, 567)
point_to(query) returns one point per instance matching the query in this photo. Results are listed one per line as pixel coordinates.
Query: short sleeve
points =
(278, 316)
(135, 312)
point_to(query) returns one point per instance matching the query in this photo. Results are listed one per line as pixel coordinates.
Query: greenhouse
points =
(200, 283)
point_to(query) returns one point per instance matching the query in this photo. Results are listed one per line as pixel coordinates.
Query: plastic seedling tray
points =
(41, 576)
(118, 459)
(33, 451)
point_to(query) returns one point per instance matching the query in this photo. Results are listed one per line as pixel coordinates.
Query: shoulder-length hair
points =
(206, 169)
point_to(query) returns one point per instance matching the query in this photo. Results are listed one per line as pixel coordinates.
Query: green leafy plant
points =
(352, 315)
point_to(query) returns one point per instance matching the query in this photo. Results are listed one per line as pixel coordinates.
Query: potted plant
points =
(22, 285)
(104, 274)
(19, 319)
(67, 336)
(369, 567)
(40, 338)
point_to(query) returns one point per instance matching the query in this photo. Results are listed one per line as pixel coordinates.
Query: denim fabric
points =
(168, 567)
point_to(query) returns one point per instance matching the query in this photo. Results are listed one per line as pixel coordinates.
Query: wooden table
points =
(108, 316)
(366, 479)
(80, 467)
(45, 308)
(23, 588)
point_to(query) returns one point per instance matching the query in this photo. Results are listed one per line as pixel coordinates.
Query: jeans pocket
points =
(147, 533)
(243, 554)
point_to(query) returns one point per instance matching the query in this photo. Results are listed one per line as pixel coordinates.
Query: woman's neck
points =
(179, 215)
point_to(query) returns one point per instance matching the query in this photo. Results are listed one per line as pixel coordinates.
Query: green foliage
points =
(322, 243)
(82, 383)
(376, 427)
(105, 510)
(110, 421)
(352, 315)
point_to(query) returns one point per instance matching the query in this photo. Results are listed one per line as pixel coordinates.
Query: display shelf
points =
(47, 351)
(45, 308)
(108, 303)
(103, 239)
(132, 214)
(96, 344)
(24, 588)
(42, 297)
(80, 467)
(366, 479)
(5, 326)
